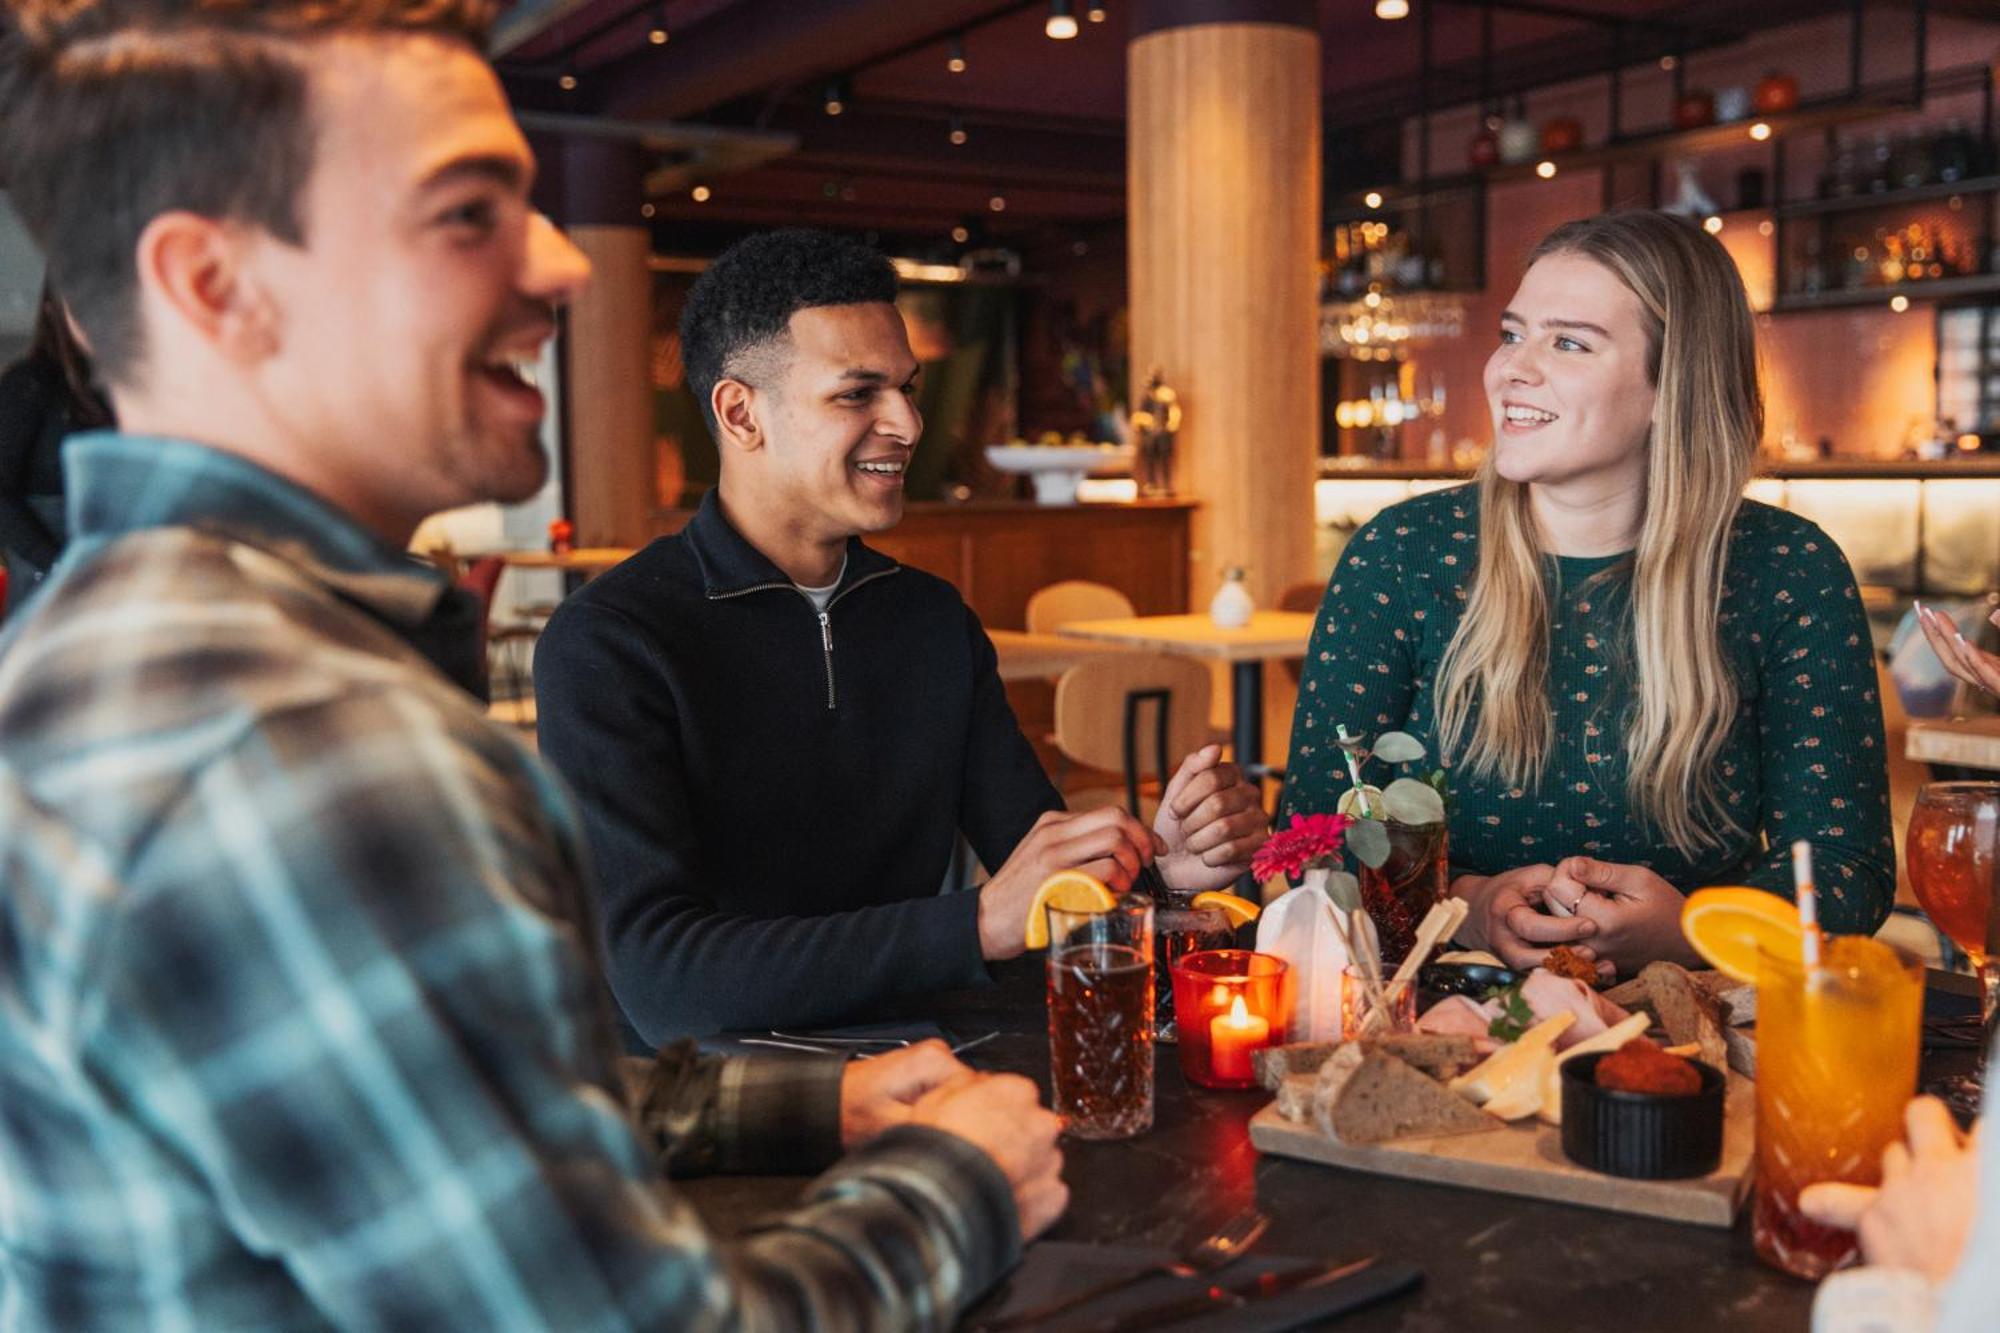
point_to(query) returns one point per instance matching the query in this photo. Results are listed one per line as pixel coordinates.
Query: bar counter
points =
(1492, 1263)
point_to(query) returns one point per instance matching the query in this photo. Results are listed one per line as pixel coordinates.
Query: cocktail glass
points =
(1836, 1063)
(1100, 986)
(1403, 888)
(1950, 854)
(1179, 929)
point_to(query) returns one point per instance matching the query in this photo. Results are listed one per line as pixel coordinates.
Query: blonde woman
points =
(1643, 683)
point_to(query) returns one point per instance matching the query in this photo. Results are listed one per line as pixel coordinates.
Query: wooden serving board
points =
(1527, 1159)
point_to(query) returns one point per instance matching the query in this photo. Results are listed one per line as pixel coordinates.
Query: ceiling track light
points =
(836, 96)
(1061, 24)
(954, 56)
(957, 134)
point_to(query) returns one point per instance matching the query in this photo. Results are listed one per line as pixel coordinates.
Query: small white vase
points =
(1232, 604)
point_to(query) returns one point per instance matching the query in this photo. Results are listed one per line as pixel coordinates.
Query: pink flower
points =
(1311, 840)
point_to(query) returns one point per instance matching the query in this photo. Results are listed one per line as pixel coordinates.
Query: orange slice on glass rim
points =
(1238, 910)
(1727, 926)
(1071, 891)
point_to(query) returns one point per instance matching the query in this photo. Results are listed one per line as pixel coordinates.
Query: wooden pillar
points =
(1223, 193)
(607, 370)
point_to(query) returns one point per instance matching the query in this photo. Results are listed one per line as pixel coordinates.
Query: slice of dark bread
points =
(1273, 1063)
(1686, 1010)
(1295, 1097)
(1366, 1095)
(1442, 1056)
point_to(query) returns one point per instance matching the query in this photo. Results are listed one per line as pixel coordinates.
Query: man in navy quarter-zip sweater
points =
(777, 734)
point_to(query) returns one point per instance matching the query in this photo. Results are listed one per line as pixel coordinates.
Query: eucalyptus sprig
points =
(1407, 800)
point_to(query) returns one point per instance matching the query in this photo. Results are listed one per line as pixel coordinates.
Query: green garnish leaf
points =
(1515, 1015)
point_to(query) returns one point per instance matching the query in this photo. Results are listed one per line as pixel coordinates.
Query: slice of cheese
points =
(1510, 1066)
(1610, 1039)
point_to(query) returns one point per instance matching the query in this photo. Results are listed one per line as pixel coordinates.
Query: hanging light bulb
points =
(954, 58)
(1094, 11)
(701, 194)
(961, 234)
(1061, 25)
(1392, 9)
(998, 203)
(957, 135)
(657, 34)
(836, 96)
(568, 80)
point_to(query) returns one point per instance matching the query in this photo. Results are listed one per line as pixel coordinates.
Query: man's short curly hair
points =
(744, 303)
(113, 112)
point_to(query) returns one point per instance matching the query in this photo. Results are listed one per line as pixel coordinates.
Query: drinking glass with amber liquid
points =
(1836, 1063)
(1179, 929)
(1100, 987)
(1949, 851)
(1399, 892)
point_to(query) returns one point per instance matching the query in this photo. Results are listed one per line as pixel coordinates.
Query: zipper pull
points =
(825, 632)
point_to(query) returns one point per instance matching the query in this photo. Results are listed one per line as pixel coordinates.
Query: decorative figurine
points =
(1154, 424)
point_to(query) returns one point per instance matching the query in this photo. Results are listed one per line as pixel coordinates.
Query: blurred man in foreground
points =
(303, 1012)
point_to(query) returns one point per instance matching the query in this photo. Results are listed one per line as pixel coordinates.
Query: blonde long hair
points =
(1709, 416)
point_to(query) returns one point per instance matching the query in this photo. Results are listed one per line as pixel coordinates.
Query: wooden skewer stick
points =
(1440, 923)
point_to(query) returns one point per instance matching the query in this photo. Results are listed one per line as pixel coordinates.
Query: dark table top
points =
(1492, 1262)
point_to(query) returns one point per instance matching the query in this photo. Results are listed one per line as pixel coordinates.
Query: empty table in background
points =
(1269, 635)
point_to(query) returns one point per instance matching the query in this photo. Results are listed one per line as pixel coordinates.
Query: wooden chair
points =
(1133, 713)
(1075, 599)
(1300, 597)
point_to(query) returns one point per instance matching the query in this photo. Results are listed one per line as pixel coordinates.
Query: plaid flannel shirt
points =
(300, 1022)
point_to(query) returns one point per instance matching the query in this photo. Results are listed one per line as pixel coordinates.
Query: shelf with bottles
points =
(1434, 241)
(1927, 242)
(1383, 410)
(1900, 213)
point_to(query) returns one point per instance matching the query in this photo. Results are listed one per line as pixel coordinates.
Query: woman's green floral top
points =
(1804, 758)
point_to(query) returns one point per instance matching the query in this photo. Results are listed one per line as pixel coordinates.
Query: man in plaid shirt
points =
(302, 1018)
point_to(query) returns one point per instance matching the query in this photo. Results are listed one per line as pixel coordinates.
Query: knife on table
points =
(1219, 1297)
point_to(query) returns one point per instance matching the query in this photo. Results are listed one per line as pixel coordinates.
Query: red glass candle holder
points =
(1227, 1004)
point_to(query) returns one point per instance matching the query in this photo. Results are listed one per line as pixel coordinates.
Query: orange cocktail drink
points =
(1836, 1063)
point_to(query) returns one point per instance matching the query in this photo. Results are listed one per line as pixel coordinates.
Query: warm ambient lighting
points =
(836, 98)
(1392, 9)
(1062, 23)
(957, 135)
(954, 59)
(701, 194)
(1712, 225)
(1373, 199)
(1545, 169)
(1094, 11)
(1760, 131)
(1766, 227)
(1968, 443)
(961, 234)
(567, 82)
(1899, 303)
(998, 203)
(647, 210)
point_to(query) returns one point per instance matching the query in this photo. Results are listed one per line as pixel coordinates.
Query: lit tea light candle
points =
(1232, 1037)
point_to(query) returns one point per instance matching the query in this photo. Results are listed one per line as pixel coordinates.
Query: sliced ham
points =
(1459, 1016)
(1547, 995)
